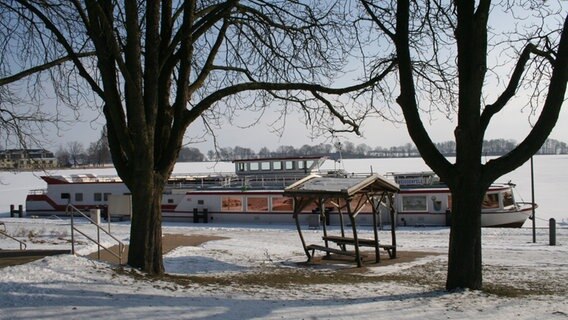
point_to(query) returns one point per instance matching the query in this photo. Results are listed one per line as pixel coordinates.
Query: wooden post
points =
(375, 231)
(393, 225)
(322, 216)
(355, 238)
(297, 209)
(341, 218)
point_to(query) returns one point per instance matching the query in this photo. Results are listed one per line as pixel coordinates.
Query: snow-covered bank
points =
(257, 274)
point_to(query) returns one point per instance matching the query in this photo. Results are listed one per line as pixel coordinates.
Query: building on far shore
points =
(24, 159)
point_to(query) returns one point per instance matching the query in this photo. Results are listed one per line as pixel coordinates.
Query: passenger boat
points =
(253, 193)
(424, 200)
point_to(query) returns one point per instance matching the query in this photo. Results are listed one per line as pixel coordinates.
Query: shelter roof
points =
(325, 186)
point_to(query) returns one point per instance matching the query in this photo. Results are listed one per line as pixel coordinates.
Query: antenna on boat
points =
(339, 158)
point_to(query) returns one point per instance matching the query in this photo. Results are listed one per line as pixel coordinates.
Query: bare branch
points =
(31, 71)
(514, 82)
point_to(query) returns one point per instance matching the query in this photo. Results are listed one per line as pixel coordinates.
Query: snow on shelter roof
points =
(340, 186)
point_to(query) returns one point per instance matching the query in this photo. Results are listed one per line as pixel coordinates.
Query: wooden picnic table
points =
(342, 241)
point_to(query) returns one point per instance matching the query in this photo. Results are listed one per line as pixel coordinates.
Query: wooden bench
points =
(390, 249)
(350, 241)
(342, 241)
(314, 247)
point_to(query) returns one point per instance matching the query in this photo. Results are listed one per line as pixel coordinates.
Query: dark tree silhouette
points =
(158, 66)
(442, 53)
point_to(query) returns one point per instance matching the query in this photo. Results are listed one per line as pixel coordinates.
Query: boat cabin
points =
(301, 166)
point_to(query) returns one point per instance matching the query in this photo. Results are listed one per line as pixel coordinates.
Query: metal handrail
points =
(121, 246)
(23, 245)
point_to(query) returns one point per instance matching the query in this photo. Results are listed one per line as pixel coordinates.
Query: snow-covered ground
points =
(257, 273)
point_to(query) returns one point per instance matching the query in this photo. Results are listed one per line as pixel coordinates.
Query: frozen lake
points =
(551, 180)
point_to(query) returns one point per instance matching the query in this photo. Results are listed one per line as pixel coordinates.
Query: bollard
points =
(19, 212)
(552, 231)
(96, 216)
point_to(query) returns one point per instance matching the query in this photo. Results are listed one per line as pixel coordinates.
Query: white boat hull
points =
(506, 219)
(226, 203)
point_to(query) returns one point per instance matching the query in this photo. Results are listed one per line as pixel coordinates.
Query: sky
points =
(513, 123)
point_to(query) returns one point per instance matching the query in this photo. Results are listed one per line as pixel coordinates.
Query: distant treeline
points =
(75, 155)
(349, 150)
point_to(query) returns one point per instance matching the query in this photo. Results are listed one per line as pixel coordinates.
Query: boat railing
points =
(521, 204)
(86, 178)
(4, 233)
(234, 181)
(72, 210)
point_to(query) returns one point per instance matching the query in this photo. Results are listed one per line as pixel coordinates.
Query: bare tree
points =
(188, 154)
(76, 153)
(99, 151)
(160, 65)
(63, 157)
(31, 71)
(448, 57)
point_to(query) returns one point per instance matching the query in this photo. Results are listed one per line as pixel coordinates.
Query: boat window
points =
(436, 204)
(282, 204)
(265, 165)
(277, 165)
(309, 163)
(301, 164)
(200, 202)
(508, 199)
(257, 204)
(78, 197)
(106, 195)
(311, 207)
(490, 201)
(359, 203)
(231, 203)
(241, 166)
(98, 196)
(253, 166)
(65, 196)
(414, 203)
(289, 165)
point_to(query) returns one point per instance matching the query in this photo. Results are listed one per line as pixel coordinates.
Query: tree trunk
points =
(145, 250)
(464, 258)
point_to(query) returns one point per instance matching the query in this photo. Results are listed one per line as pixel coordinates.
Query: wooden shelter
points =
(347, 195)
